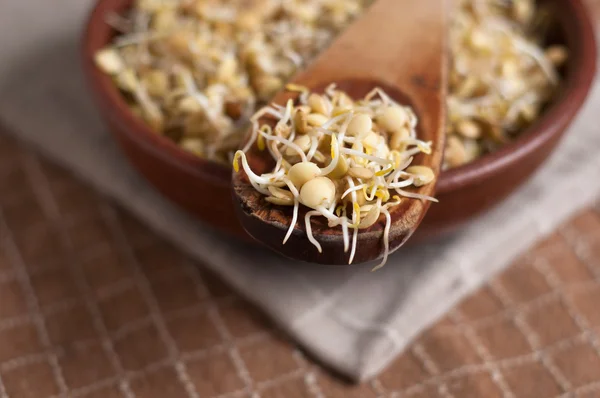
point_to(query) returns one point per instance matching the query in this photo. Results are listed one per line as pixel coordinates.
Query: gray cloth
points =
(351, 319)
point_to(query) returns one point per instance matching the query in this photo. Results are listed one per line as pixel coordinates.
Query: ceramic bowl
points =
(203, 187)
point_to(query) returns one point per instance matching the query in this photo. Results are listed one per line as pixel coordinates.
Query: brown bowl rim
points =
(575, 88)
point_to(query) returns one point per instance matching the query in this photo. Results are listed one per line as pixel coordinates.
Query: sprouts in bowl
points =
(463, 191)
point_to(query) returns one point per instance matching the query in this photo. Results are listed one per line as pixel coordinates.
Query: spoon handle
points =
(401, 43)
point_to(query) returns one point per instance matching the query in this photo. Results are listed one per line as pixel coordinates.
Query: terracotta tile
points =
(63, 182)
(53, 285)
(42, 245)
(503, 339)
(75, 199)
(580, 364)
(586, 304)
(123, 308)
(481, 304)
(523, 283)
(268, 359)
(25, 213)
(429, 391)
(159, 259)
(194, 332)
(105, 392)
(136, 232)
(12, 177)
(592, 393)
(159, 384)
(19, 192)
(140, 348)
(547, 247)
(242, 319)
(30, 381)
(88, 232)
(12, 300)
(216, 286)
(68, 326)
(5, 262)
(79, 371)
(449, 350)
(587, 222)
(176, 293)
(294, 388)
(474, 385)
(10, 151)
(531, 380)
(567, 267)
(333, 387)
(106, 268)
(592, 250)
(445, 323)
(56, 175)
(214, 375)
(552, 322)
(19, 341)
(404, 372)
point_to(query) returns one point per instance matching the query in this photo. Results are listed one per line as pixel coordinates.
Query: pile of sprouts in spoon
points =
(348, 161)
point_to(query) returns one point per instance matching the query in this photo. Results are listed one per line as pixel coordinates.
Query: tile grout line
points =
(104, 293)
(590, 387)
(378, 388)
(533, 304)
(143, 284)
(63, 305)
(33, 304)
(115, 288)
(467, 370)
(578, 319)
(580, 248)
(3, 393)
(217, 320)
(59, 351)
(295, 374)
(131, 327)
(29, 359)
(45, 195)
(7, 277)
(310, 379)
(553, 279)
(498, 290)
(418, 350)
(482, 352)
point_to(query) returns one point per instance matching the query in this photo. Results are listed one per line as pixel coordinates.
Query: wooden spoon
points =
(401, 47)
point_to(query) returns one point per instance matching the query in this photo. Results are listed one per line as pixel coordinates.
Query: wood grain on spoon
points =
(401, 47)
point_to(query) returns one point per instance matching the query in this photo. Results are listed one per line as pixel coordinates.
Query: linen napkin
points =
(351, 319)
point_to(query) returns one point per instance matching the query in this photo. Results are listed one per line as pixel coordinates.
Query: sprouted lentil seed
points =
(350, 167)
(195, 70)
